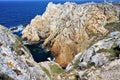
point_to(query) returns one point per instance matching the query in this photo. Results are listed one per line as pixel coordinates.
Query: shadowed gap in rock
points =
(39, 54)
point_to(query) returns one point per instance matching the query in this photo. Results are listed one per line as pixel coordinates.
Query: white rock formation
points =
(70, 28)
(16, 62)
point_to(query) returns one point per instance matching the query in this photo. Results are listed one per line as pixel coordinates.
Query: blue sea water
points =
(14, 13)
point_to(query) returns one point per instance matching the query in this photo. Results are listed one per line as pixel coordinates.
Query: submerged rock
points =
(17, 30)
(16, 62)
(70, 28)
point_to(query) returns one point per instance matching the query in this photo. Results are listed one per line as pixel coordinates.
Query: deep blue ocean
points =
(17, 13)
(14, 13)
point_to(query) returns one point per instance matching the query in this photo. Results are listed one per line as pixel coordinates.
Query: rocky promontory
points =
(84, 38)
(68, 29)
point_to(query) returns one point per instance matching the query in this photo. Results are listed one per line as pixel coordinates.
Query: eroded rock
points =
(16, 62)
(110, 71)
(102, 51)
(70, 28)
(98, 54)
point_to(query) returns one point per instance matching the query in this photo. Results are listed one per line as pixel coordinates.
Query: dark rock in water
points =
(24, 25)
(14, 28)
(18, 30)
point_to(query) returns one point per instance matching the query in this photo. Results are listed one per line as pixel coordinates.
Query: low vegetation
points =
(46, 71)
(76, 63)
(55, 69)
(114, 51)
(18, 44)
(115, 26)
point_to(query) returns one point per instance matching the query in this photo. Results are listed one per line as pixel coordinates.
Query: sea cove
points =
(73, 40)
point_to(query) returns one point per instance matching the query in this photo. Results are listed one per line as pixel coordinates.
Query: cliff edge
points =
(70, 28)
(16, 62)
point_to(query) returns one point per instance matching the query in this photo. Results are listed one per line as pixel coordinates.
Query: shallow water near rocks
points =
(39, 54)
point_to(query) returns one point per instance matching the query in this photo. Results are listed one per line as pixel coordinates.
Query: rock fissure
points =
(70, 28)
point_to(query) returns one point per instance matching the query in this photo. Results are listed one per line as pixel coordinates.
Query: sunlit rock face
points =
(70, 28)
(16, 62)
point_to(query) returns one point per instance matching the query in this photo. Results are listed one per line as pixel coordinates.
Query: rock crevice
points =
(70, 28)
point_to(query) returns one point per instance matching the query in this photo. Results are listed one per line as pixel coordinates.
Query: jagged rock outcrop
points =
(70, 28)
(16, 62)
(103, 51)
(99, 62)
(98, 54)
(110, 71)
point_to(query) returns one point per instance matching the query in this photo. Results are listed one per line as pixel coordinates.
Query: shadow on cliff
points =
(39, 54)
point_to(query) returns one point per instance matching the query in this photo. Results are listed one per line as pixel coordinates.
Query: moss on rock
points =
(16, 46)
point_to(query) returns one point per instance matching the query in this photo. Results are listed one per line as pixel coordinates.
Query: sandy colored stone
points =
(70, 28)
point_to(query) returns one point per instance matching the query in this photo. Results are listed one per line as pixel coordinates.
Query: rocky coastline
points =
(70, 28)
(84, 38)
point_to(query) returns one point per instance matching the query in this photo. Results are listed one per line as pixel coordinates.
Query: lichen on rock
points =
(16, 62)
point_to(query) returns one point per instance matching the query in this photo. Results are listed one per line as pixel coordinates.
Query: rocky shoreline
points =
(70, 28)
(84, 38)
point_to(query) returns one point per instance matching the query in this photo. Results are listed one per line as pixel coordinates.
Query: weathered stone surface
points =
(74, 63)
(99, 62)
(51, 68)
(102, 51)
(110, 71)
(99, 53)
(16, 62)
(70, 28)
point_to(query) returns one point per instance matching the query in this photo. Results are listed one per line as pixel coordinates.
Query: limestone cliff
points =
(16, 62)
(100, 62)
(70, 28)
